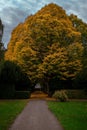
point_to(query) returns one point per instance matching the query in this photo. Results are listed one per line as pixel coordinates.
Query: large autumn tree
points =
(47, 45)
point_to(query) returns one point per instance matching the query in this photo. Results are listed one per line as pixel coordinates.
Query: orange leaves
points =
(59, 63)
(47, 44)
(75, 51)
(54, 63)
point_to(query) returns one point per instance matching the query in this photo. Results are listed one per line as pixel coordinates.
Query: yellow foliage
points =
(47, 44)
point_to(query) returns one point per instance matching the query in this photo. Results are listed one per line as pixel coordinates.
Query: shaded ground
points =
(41, 95)
(36, 116)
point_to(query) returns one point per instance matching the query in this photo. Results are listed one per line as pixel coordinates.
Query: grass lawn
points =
(72, 115)
(9, 109)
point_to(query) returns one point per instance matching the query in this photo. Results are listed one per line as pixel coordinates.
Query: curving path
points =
(36, 116)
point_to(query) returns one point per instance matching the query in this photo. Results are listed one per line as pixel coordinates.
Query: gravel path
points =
(36, 116)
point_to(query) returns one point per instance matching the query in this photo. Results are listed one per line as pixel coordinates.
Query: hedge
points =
(22, 94)
(7, 91)
(76, 94)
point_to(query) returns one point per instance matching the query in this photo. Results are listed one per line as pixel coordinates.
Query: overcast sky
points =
(12, 12)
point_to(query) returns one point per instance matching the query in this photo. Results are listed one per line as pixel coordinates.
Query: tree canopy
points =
(47, 45)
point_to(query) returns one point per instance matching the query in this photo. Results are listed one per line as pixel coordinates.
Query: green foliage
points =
(8, 73)
(82, 78)
(11, 79)
(60, 95)
(72, 115)
(76, 94)
(2, 51)
(80, 26)
(22, 81)
(7, 80)
(22, 94)
(7, 91)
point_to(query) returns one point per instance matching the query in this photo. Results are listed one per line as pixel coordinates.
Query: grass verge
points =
(72, 115)
(9, 109)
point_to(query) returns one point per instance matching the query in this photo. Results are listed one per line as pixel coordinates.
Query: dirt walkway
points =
(36, 116)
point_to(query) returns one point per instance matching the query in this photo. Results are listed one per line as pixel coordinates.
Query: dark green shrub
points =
(22, 82)
(76, 94)
(11, 79)
(7, 91)
(60, 95)
(8, 73)
(22, 94)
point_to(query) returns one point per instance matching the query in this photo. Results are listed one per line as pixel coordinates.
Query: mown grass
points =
(9, 109)
(72, 115)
